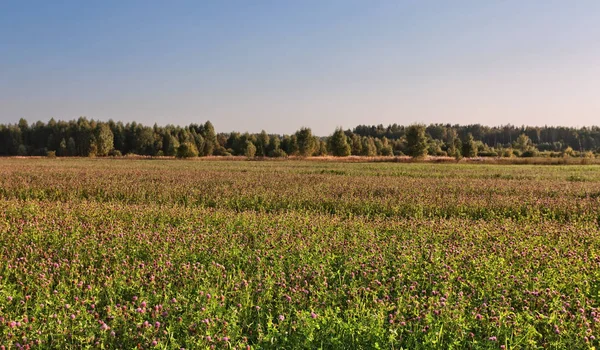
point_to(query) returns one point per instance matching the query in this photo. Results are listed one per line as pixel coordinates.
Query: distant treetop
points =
(84, 138)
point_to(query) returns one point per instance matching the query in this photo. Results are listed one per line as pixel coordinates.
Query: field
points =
(297, 254)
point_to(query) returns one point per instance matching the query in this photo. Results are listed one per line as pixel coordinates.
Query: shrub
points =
(488, 154)
(51, 154)
(277, 153)
(221, 151)
(187, 150)
(531, 152)
(568, 152)
(507, 153)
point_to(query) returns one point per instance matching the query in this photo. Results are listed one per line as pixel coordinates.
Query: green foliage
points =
(305, 141)
(274, 143)
(115, 153)
(262, 144)
(531, 152)
(250, 150)
(469, 149)
(321, 149)
(71, 147)
(368, 147)
(170, 145)
(187, 150)
(104, 139)
(210, 138)
(356, 145)
(507, 153)
(144, 140)
(416, 141)
(277, 153)
(338, 144)
(84, 137)
(386, 148)
(290, 144)
(568, 152)
(523, 143)
(62, 149)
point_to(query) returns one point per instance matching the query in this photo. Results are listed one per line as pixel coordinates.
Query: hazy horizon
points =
(281, 66)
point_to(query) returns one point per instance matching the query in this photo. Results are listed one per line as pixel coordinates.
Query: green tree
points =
(368, 147)
(93, 147)
(250, 151)
(210, 139)
(338, 144)
(306, 142)
(83, 137)
(322, 149)
(71, 147)
(12, 140)
(171, 145)
(290, 144)
(144, 140)
(356, 145)
(469, 149)
(456, 149)
(234, 143)
(274, 144)
(199, 141)
(262, 144)
(523, 143)
(104, 139)
(386, 147)
(416, 141)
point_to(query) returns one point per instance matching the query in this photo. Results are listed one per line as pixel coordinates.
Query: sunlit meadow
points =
(165, 254)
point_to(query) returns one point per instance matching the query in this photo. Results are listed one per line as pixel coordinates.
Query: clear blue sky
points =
(280, 65)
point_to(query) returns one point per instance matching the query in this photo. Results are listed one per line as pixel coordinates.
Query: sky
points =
(281, 65)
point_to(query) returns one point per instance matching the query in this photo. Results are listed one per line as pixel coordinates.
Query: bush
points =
(532, 152)
(277, 153)
(568, 152)
(115, 153)
(588, 154)
(51, 154)
(487, 154)
(187, 150)
(507, 153)
(220, 151)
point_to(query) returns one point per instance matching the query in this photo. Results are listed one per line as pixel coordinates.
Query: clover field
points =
(166, 254)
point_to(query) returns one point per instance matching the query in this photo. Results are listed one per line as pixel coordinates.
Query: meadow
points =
(167, 254)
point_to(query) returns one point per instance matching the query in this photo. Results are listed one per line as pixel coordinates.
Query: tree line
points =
(84, 138)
